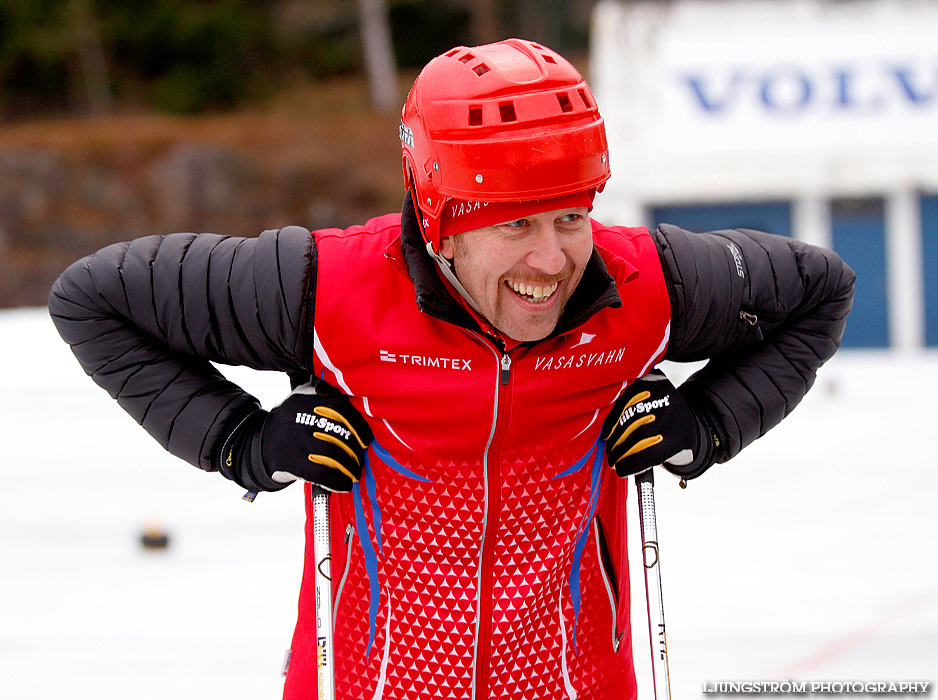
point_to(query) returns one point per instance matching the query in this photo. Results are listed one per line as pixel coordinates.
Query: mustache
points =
(540, 280)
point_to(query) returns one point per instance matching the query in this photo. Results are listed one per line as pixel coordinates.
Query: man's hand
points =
(652, 424)
(319, 438)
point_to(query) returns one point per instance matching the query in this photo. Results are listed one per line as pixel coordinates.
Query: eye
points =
(517, 223)
(570, 218)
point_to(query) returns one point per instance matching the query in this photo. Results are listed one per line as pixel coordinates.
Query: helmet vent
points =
(586, 100)
(453, 52)
(475, 116)
(549, 58)
(465, 58)
(564, 101)
(507, 111)
(481, 69)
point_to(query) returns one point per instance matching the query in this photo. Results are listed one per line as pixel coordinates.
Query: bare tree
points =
(91, 60)
(543, 20)
(379, 54)
(485, 24)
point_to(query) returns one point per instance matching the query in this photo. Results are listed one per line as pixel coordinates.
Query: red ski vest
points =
(483, 553)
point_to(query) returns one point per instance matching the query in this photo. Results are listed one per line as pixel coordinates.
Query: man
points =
(477, 360)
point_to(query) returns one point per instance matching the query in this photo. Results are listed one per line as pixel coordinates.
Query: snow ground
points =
(808, 557)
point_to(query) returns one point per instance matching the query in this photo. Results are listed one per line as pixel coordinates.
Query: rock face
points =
(199, 181)
(60, 203)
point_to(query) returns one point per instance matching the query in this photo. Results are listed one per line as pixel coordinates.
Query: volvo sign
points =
(769, 78)
(785, 91)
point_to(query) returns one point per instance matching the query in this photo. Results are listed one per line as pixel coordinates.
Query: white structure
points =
(809, 104)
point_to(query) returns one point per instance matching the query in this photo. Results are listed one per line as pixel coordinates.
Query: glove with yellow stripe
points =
(316, 437)
(653, 424)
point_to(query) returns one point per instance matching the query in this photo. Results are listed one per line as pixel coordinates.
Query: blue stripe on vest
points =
(394, 464)
(597, 450)
(372, 488)
(371, 560)
(576, 466)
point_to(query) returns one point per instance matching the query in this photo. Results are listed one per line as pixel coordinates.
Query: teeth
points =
(536, 293)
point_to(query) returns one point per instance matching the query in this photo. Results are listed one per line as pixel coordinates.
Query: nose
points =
(547, 254)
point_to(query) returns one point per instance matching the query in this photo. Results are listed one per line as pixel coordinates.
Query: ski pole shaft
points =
(322, 548)
(661, 677)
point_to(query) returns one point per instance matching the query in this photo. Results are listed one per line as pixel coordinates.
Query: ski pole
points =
(322, 553)
(661, 677)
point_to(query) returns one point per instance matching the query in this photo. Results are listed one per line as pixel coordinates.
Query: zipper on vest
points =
(492, 484)
(602, 554)
(349, 534)
(506, 368)
(751, 320)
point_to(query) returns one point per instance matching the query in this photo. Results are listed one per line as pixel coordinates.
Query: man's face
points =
(522, 273)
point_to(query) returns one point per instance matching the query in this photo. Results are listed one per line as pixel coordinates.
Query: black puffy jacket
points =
(147, 317)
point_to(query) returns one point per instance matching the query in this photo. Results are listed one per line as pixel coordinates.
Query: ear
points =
(447, 247)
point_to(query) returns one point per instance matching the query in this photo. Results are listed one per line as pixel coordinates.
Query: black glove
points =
(316, 437)
(652, 424)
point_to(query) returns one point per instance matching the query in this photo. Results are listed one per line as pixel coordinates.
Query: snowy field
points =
(811, 556)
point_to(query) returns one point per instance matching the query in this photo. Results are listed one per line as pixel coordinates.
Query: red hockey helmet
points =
(505, 122)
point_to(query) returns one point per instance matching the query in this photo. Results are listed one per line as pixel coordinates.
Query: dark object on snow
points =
(154, 537)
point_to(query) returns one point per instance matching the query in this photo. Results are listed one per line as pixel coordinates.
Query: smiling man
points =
(521, 272)
(470, 370)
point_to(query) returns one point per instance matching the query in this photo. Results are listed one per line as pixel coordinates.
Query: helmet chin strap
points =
(446, 267)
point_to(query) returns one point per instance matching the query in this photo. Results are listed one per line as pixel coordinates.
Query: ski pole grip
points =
(645, 477)
(645, 486)
(322, 548)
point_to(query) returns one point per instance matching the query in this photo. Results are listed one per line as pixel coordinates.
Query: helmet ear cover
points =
(506, 122)
(428, 219)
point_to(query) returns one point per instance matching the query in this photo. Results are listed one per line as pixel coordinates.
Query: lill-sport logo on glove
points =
(643, 407)
(315, 435)
(653, 424)
(324, 424)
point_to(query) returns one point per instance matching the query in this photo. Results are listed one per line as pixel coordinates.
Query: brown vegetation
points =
(315, 156)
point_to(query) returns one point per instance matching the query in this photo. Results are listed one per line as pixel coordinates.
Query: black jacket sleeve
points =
(767, 311)
(146, 319)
